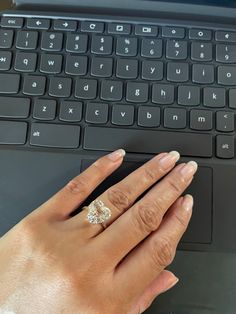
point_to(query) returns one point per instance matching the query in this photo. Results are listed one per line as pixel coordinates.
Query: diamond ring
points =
(98, 213)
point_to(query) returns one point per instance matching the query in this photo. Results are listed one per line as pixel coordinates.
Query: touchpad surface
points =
(200, 228)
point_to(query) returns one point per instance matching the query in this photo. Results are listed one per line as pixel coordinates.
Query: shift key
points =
(55, 135)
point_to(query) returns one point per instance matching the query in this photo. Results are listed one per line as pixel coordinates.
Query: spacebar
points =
(147, 141)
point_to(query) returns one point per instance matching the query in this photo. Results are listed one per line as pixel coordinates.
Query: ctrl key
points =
(225, 146)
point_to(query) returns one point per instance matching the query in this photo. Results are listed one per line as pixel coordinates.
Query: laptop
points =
(79, 79)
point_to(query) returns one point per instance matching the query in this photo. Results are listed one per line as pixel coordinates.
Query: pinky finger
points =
(164, 282)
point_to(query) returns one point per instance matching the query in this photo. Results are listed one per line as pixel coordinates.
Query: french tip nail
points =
(175, 154)
(116, 155)
(173, 283)
(193, 164)
(188, 202)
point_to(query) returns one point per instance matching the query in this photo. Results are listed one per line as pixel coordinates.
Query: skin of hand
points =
(54, 263)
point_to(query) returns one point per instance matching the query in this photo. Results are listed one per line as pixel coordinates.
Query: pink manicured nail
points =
(187, 202)
(170, 159)
(116, 155)
(172, 284)
(189, 170)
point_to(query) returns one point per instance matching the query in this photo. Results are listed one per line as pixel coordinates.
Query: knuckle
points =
(176, 184)
(181, 220)
(147, 218)
(150, 174)
(78, 185)
(119, 198)
(162, 252)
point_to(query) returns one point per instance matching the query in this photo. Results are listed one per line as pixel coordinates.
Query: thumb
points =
(165, 281)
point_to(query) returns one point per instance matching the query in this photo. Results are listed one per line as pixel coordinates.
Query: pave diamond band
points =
(98, 213)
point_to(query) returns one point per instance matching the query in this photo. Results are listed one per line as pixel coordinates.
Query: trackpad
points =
(200, 228)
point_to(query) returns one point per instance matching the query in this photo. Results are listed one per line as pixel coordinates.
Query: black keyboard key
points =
(189, 95)
(44, 109)
(151, 48)
(117, 28)
(147, 141)
(38, 23)
(9, 83)
(60, 87)
(5, 60)
(225, 146)
(146, 30)
(201, 51)
(25, 62)
(54, 135)
(111, 90)
(177, 72)
(63, 25)
(226, 53)
(101, 67)
(51, 41)
(173, 32)
(232, 98)
(102, 45)
(202, 34)
(163, 94)
(76, 65)
(13, 132)
(175, 118)
(229, 37)
(6, 38)
(127, 46)
(27, 40)
(70, 111)
(149, 116)
(203, 73)
(137, 92)
(122, 115)
(94, 27)
(86, 89)
(225, 121)
(14, 107)
(201, 120)
(34, 85)
(152, 70)
(77, 43)
(51, 63)
(127, 68)
(214, 97)
(227, 75)
(13, 22)
(96, 113)
(176, 50)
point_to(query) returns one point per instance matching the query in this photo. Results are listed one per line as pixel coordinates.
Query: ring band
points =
(98, 213)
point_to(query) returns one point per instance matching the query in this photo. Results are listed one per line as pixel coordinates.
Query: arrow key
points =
(38, 23)
(225, 121)
(62, 25)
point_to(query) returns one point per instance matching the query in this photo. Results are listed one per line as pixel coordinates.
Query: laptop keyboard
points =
(94, 85)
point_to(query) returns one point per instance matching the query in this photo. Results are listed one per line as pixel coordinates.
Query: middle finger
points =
(146, 215)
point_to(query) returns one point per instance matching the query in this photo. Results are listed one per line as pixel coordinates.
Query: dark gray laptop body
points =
(206, 262)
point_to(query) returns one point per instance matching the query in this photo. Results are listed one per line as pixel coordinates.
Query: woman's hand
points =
(52, 263)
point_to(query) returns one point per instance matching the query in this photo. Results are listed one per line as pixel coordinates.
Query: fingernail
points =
(168, 160)
(189, 170)
(173, 282)
(116, 155)
(187, 202)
